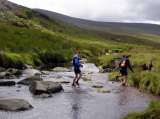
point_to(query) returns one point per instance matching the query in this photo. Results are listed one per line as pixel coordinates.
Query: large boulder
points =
(14, 105)
(61, 69)
(30, 80)
(45, 87)
(7, 83)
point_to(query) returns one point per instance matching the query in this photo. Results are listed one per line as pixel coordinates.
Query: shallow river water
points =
(111, 102)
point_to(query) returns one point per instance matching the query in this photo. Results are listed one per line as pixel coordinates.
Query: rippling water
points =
(84, 102)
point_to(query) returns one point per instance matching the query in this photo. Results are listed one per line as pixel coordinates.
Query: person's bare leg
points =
(74, 80)
(77, 82)
(122, 80)
(126, 80)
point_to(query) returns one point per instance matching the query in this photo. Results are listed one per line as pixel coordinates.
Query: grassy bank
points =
(32, 38)
(153, 112)
(29, 37)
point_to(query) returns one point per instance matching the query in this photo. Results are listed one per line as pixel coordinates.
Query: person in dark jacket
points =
(124, 66)
(77, 65)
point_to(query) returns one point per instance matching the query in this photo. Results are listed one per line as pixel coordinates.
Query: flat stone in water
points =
(7, 83)
(14, 105)
(97, 86)
(29, 80)
(61, 69)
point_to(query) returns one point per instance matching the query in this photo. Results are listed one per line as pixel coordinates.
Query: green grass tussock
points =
(153, 112)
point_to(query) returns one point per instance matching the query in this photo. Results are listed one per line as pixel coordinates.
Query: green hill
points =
(31, 37)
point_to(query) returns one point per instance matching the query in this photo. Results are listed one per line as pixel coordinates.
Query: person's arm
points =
(130, 66)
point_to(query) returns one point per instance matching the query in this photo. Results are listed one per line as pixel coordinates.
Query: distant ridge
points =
(131, 28)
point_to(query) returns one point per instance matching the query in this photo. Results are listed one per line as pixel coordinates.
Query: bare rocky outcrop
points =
(6, 5)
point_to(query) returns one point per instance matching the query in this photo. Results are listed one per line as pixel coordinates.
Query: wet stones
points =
(15, 105)
(102, 90)
(97, 86)
(31, 72)
(7, 83)
(61, 69)
(45, 87)
(10, 73)
(65, 82)
(30, 80)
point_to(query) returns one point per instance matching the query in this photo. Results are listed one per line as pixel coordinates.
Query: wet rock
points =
(61, 69)
(28, 66)
(44, 95)
(86, 78)
(103, 91)
(7, 83)
(2, 75)
(10, 73)
(15, 72)
(30, 80)
(14, 105)
(19, 86)
(17, 90)
(97, 86)
(31, 72)
(2, 69)
(65, 82)
(45, 87)
(45, 72)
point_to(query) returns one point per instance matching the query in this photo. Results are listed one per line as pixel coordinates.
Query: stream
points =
(85, 102)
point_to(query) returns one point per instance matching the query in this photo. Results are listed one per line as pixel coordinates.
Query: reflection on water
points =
(78, 103)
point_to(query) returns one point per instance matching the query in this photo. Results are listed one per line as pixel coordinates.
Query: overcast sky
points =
(102, 10)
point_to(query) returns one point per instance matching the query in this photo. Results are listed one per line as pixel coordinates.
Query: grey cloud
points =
(102, 10)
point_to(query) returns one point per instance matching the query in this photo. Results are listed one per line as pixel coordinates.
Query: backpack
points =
(123, 63)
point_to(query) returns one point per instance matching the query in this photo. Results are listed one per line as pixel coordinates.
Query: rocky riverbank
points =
(96, 96)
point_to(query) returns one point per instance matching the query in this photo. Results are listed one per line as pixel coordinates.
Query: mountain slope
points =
(105, 26)
(32, 37)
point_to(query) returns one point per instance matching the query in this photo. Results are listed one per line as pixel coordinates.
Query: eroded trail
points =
(86, 102)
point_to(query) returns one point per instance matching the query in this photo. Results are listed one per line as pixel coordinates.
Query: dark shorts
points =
(124, 71)
(77, 70)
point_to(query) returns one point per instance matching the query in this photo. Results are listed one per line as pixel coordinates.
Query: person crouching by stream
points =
(77, 65)
(124, 65)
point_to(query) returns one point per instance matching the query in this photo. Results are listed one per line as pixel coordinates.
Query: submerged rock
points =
(65, 82)
(30, 80)
(45, 87)
(61, 69)
(14, 105)
(7, 83)
(101, 90)
(97, 86)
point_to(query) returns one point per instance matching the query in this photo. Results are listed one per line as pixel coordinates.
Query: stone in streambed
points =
(29, 80)
(61, 69)
(97, 86)
(7, 83)
(45, 87)
(14, 105)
